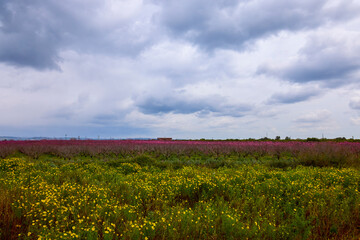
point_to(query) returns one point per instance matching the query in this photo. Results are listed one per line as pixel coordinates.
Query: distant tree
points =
(340, 139)
(313, 139)
(277, 138)
(264, 139)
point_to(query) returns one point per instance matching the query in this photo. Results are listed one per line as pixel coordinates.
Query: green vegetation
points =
(145, 198)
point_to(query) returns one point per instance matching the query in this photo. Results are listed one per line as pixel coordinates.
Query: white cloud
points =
(355, 103)
(314, 117)
(328, 57)
(355, 121)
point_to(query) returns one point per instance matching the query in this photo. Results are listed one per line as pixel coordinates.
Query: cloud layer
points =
(187, 69)
(325, 58)
(234, 24)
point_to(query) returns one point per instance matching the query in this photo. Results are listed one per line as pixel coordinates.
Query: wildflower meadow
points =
(77, 189)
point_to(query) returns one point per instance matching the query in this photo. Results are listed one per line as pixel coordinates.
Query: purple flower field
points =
(326, 153)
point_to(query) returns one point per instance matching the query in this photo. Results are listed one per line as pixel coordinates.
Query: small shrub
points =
(114, 163)
(144, 160)
(282, 163)
(128, 168)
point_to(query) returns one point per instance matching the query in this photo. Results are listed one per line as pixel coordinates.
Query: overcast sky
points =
(182, 69)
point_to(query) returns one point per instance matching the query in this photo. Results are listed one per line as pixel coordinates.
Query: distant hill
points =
(22, 138)
(2, 138)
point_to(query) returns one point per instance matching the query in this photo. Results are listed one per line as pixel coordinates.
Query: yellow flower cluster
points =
(91, 200)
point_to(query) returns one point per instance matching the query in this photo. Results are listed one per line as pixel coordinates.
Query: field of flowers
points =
(179, 190)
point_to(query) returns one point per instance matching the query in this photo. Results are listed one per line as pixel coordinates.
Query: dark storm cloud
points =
(183, 104)
(323, 59)
(232, 24)
(293, 96)
(27, 37)
(32, 33)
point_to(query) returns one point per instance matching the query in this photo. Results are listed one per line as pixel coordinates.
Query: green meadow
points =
(147, 198)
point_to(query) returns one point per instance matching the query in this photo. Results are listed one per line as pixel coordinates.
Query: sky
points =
(185, 69)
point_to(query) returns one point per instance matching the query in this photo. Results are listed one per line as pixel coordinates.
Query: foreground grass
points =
(61, 199)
